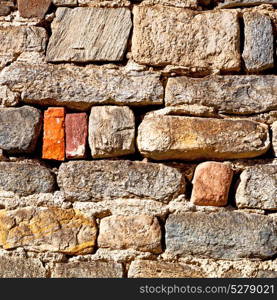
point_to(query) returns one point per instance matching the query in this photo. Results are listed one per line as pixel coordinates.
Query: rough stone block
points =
(21, 267)
(54, 134)
(91, 269)
(111, 131)
(19, 129)
(25, 178)
(199, 41)
(211, 184)
(189, 138)
(242, 3)
(227, 235)
(106, 179)
(163, 269)
(33, 8)
(76, 132)
(81, 87)
(258, 53)
(258, 188)
(142, 233)
(47, 229)
(231, 94)
(89, 34)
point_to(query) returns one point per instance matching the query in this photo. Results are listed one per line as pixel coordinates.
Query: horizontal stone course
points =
(81, 87)
(188, 138)
(107, 180)
(230, 94)
(227, 235)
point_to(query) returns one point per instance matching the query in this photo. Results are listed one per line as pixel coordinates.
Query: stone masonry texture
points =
(138, 139)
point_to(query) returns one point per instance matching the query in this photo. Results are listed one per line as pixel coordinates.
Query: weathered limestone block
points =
(19, 129)
(7, 97)
(89, 34)
(227, 235)
(200, 41)
(65, 2)
(242, 3)
(258, 188)
(258, 53)
(47, 229)
(229, 94)
(188, 138)
(82, 87)
(25, 178)
(211, 184)
(176, 3)
(76, 132)
(111, 131)
(163, 269)
(21, 267)
(54, 134)
(33, 8)
(274, 137)
(104, 180)
(91, 269)
(18, 39)
(142, 233)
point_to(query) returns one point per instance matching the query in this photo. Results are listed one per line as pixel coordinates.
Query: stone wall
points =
(138, 139)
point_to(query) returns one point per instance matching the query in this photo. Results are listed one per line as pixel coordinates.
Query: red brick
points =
(211, 184)
(53, 134)
(76, 132)
(33, 8)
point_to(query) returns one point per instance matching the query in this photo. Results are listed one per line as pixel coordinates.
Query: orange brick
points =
(53, 134)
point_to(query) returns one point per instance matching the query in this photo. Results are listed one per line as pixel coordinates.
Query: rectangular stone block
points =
(19, 129)
(54, 134)
(211, 184)
(111, 131)
(258, 188)
(226, 235)
(230, 94)
(242, 3)
(200, 41)
(33, 8)
(89, 34)
(105, 180)
(163, 269)
(189, 138)
(142, 233)
(258, 52)
(47, 229)
(21, 267)
(76, 132)
(90, 269)
(81, 87)
(25, 178)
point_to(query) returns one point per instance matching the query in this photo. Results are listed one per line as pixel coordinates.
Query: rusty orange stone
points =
(54, 134)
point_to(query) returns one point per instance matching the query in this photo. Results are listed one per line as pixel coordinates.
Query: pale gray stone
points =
(226, 235)
(89, 34)
(104, 180)
(258, 42)
(91, 269)
(111, 131)
(274, 137)
(231, 94)
(81, 87)
(25, 178)
(189, 138)
(19, 129)
(21, 267)
(258, 188)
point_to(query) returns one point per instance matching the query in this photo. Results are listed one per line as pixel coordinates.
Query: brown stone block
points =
(33, 8)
